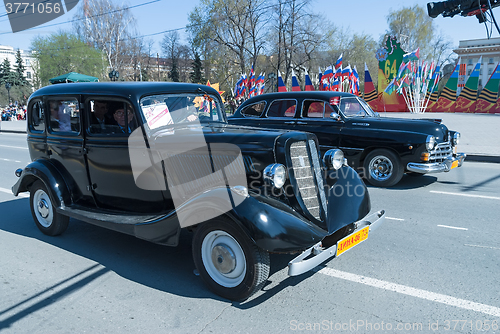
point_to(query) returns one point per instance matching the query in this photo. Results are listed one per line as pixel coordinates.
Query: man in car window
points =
(98, 116)
(119, 116)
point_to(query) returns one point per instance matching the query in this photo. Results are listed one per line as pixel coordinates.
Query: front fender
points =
(46, 172)
(275, 226)
(348, 199)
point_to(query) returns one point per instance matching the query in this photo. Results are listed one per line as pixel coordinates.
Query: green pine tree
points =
(196, 76)
(174, 72)
(18, 74)
(6, 74)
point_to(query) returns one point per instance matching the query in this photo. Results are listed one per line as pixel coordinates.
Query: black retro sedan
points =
(150, 159)
(380, 148)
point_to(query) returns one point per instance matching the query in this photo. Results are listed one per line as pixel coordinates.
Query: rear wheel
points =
(46, 218)
(382, 168)
(228, 261)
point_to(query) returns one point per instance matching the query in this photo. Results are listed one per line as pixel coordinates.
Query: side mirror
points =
(335, 116)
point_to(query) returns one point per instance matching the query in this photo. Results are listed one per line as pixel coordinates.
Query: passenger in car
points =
(124, 120)
(99, 117)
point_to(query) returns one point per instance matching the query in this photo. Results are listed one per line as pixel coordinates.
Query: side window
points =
(64, 115)
(313, 109)
(36, 117)
(111, 117)
(254, 110)
(351, 107)
(282, 108)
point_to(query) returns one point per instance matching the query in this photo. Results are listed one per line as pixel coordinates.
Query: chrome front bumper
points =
(317, 254)
(436, 167)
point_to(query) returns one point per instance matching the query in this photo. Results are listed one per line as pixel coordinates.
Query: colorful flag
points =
(346, 72)
(448, 96)
(338, 64)
(281, 84)
(308, 83)
(325, 85)
(370, 93)
(320, 80)
(415, 55)
(391, 87)
(487, 101)
(335, 85)
(328, 73)
(251, 84)
(467, 98)
(295, 83)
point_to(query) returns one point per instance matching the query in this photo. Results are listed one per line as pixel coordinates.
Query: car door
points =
(108, 160)
(280, 114)
(65, 143)
(316, 117)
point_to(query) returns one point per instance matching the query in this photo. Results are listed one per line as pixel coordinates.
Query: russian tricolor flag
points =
(309, 85)
(295, 83)
(281, 84)
(338, 64)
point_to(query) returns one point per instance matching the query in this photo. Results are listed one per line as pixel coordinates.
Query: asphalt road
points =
(433, 267)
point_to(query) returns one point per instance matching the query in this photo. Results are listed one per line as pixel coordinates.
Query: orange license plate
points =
(454, 164)
(352, 240)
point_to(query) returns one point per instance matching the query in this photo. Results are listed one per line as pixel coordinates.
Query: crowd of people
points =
(13, 112)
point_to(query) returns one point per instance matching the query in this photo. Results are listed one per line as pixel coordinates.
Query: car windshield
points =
(170, 109)
(355, 107)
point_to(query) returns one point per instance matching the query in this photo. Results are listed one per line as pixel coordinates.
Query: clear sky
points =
(363, 16)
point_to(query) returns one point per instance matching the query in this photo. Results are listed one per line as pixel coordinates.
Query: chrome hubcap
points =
(223, 258)
(381, 168)
(43, 208)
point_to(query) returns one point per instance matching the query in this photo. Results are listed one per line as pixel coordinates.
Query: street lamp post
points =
(7, 86)
(114, 75)
(271, 77)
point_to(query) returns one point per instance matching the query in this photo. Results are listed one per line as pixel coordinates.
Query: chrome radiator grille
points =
(441, 152)
(305, 176)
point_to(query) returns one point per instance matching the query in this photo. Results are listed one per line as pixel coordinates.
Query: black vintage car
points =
(149, 159)
(381, 148)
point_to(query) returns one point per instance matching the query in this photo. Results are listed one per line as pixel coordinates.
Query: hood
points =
(423, 126)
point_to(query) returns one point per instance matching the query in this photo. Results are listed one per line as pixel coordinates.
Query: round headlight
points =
(456, 138)
(334, 158)
(430, 142)
(275, 175)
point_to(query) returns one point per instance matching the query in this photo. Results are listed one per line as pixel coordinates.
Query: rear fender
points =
(43, 170)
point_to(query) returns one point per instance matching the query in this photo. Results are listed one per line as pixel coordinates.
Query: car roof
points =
(133, 90)
(297, 95)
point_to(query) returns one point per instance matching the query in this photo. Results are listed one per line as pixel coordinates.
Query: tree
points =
(6, 74)
(19, 78)
(111, 28)
(172, 48)
(415, 29)
(63, 52)
(196, 76)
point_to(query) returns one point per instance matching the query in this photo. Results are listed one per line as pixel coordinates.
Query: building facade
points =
(471, 50)
(10, 53)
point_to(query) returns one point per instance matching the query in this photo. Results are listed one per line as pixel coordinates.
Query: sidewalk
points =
(480, 133)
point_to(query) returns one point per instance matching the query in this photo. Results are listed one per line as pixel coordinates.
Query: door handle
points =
(291, 122)
(302, 123)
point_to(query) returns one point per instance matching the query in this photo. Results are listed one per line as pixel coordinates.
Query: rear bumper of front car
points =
(437, 167)
(316, 254)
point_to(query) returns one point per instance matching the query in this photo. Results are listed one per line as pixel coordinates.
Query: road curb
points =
(13, 131)
(483, 158)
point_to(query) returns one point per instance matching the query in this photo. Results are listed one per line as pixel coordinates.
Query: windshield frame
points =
(169, 116)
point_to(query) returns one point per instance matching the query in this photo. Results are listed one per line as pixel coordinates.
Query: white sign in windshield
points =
(157, 115)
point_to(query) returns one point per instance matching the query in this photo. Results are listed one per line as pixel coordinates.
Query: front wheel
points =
(46, 218)
(228, 261)
(382, 168)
